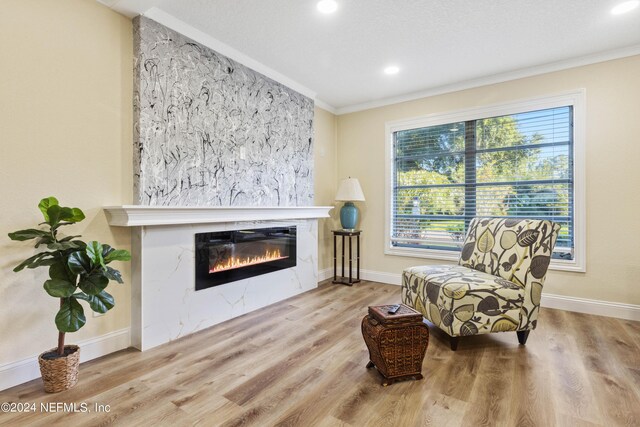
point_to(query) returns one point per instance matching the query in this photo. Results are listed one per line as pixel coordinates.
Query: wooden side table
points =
(346, 234)
(397, 342)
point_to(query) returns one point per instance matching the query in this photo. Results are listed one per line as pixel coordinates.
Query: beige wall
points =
(325, 177)
(613, 171)
(66, 130)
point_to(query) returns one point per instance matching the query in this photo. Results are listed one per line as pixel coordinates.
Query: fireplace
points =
(227, 256)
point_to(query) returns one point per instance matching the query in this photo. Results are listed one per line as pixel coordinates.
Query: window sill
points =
(556, 264)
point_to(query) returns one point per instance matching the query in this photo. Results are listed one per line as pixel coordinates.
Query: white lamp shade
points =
(350, 191)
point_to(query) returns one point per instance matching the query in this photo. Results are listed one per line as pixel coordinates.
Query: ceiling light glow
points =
(392, 69)
(327, 6)
(625, 7)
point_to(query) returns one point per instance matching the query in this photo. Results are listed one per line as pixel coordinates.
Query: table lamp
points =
(349, 191)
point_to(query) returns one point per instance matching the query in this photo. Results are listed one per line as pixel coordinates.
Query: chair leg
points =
(454, 343)
(522, 337)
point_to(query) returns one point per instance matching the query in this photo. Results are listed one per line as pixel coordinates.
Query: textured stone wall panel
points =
(209, 131)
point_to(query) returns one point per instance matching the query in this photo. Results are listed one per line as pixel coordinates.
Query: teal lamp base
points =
(348, 216)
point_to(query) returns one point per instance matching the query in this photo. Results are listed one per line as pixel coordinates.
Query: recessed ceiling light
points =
(327, 6)
(392, 69)
(625, 7)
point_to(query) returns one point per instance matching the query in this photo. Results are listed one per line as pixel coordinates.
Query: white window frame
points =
(575, 98)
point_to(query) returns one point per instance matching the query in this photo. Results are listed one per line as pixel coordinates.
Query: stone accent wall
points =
(209, 131)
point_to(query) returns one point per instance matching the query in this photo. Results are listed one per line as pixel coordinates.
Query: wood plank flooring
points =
(301, 362)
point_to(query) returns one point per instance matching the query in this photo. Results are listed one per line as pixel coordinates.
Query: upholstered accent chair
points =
(496, 285)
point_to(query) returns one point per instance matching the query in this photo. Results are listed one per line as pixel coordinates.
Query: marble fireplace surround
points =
(164, 303)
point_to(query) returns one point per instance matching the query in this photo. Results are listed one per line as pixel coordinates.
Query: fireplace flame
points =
(235, 262)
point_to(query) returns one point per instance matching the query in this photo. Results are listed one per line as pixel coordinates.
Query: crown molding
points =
(498, 78)
(130, 8)
(320, 103)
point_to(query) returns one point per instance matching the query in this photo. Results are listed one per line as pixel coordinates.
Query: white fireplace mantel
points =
(164, 303)
(139, 215)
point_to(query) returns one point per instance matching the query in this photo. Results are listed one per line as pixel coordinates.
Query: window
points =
(511, 160)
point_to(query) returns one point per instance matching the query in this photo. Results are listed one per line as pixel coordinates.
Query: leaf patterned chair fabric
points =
(496, 285)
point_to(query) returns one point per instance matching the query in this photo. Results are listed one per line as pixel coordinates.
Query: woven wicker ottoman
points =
(397, 342)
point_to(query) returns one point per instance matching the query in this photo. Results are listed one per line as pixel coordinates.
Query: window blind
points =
(518, 165)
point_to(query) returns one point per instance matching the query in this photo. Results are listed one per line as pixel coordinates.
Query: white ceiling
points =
(439, 45)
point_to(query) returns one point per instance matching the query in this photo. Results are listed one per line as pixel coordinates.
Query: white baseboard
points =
(591, 306)
(21, 371)
(325, 274)
(382, 277)
(581, 305)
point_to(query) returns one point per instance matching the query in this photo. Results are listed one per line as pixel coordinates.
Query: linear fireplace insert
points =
(227, 256)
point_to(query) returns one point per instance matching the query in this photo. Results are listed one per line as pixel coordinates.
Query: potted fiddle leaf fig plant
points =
(77, 271)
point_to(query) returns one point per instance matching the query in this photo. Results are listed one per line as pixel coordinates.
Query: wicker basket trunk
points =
(61, 373)
(397, 342)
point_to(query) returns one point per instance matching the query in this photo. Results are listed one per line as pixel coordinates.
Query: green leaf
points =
(106, 250)
(118, 255)
(70, 317)
(45, 204)
(94, 252)
(28, 234)
(32, 262)
(63, 246)
(66, 239)
(113, 274)
(66, 214)
(100, 303)
(59, 288)
(82, 295)
(26, 262)
(44, 240)
(78, 215)
(73, 215)
(79, 263)
(43, 261)
(59, 270)
(93, 284)
(82, 245)
(53, 213)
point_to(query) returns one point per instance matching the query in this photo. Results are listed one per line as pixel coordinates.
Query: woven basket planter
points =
(61, 373)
